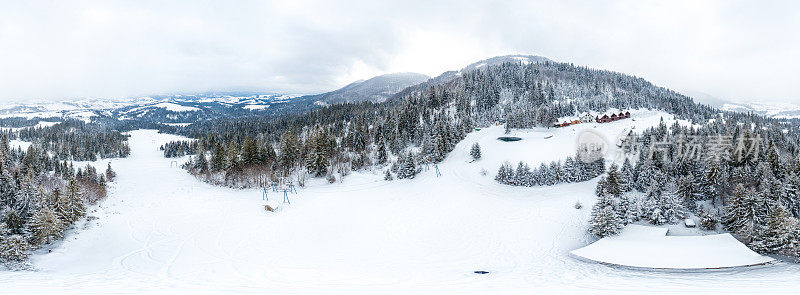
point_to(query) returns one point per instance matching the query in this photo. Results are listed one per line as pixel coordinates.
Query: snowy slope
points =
(163, 230)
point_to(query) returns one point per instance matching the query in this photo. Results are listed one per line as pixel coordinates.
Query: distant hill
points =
(376, 89)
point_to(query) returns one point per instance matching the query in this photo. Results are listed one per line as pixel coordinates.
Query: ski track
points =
(163, 230)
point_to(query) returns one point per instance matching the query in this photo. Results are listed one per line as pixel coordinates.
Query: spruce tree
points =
(388, 176)
(217, 162)
(317, 162)
(74, 203)
(382, 156)
(475, 152)
(776, 236)
(110, 173)
(407, 168)
(742, 212)
(604, 221)
(14, 248)
(686, 193)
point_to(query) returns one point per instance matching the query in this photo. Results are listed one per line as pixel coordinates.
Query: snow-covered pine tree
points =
(317, 160)
(505, 174)
(408, 169)
(613, 181)
(708, 220)
(27, 199)
(382, 156)
(111, 174)
(14, 248)
(74, 207)
(217, 161)
(776, 236)
(521, 175)
(14, 221)
(644, 175)
(388, 175)
(686, 192)
(570, 170)
(45, 226)
(232, 160)
(626, 176)
(475, 152)
(742, 212)
(604, 221)
(289, 151)
(791, 199)
(712, 181)
(249, 152)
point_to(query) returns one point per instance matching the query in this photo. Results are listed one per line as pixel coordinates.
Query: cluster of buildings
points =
(587, 118)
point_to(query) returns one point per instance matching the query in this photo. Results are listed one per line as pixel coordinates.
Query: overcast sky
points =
(70, 49)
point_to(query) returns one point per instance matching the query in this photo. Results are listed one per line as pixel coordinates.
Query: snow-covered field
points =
(650, 247)
(162, 230)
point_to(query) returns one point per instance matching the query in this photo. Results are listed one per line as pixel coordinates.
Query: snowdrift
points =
(649, 247)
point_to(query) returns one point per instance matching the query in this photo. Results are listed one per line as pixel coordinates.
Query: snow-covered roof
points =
(649, 247)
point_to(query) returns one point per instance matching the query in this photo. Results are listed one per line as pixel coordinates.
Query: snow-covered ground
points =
(650, 247)
(163, 230)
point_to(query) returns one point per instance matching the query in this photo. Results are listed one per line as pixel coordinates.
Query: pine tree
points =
(708, 221)
(217, 162)
(742, 212)
(73, 204)
(249, 152)
(388, 176)
(317, 162)
(232, 160)
(613, 181)
(407, 169)
(605, 221)
(505, 174)
(777, 235)
(45, 225)
(14, 248)
(712, 181)
(791, 199)
(200, 162)
(110, 173)
(382, 157)
(15, 223)
(626, 176)
(686, 193)
(27, 199)
(289, 151)
(571, 170)
(475, 152)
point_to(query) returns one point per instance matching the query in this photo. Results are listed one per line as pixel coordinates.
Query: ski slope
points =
(162, 230)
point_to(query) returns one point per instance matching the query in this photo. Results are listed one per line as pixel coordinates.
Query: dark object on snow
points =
(269, 208)
(509, 138)
(481, 272)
